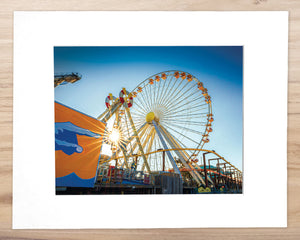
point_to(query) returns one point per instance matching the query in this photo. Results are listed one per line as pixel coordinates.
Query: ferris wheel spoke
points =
(138, 120)
(194, 107)
(190, 123)
(190, 115)
(154, 94)
(182, 138)
(185, 128)
(163, 91)
(150, 96)
(140, 115)
(183, 88)
(140, 112)
(145, 98)
(138, 104)
(142, 101)
(186, 98)
(169, 89)
(172, 92)
(170, 98)
(139, 124)
(179, 105)
(182, 134)
(186, 117)
(181, 121)
(178, 97)
(182, 144)
(189, 109)
(158, 92)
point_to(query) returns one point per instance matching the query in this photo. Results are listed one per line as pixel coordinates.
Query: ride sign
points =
(78, 141)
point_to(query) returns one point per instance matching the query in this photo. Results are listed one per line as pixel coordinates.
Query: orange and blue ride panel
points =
(78, 142)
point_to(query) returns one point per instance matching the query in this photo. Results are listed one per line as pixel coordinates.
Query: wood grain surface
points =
(6, 124)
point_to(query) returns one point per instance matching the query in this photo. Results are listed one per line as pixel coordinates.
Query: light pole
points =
(204, 167)
(216, 178)
(164, 157)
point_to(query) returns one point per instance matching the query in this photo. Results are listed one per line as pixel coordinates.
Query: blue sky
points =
(107, 69)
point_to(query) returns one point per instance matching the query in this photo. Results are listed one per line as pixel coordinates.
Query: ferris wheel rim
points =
(145, 83)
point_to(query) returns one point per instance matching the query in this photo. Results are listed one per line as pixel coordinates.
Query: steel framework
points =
(169, 112)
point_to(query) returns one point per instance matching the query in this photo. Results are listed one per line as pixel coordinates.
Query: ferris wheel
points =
(169, 110)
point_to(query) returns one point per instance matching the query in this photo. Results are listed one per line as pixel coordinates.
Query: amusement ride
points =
(162, 125)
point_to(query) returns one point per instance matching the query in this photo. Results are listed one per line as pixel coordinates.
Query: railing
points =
(111, 175)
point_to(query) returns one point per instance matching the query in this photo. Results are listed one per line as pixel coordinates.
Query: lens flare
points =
(114, 136)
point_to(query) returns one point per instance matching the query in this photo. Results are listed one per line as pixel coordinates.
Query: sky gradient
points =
(107, 69)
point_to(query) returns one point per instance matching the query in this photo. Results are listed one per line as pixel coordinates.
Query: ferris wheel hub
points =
(150, 117)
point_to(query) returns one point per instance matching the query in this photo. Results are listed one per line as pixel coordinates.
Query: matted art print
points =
(150, 119)
(155, 129)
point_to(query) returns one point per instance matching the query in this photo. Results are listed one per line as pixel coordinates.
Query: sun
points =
(114, 136)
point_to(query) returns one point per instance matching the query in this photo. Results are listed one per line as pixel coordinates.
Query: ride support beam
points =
(205, 171)
(135, 144)
(164, 161)
(196, 176)
(137, 139)
(213, 176)
(106, 115)
(176, 169)
(217, 177)
(122, 149)
(181, 154)
(140, 130)
(151, 137)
